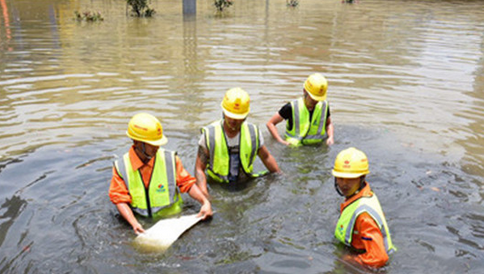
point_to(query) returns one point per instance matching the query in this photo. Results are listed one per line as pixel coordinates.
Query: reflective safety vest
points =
(219, 162)
(346, 223)
(304, 131)
(162, 196)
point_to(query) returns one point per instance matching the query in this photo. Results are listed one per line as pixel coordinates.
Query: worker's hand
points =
(293, 142)
(138, 228)
(352, 259)
(284, 142)
(330, 141)
(205, 211)
(348, 258)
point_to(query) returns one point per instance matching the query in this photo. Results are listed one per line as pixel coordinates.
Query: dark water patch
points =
(10, 209)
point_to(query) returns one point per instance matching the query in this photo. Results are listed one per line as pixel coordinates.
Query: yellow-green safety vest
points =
(346, 223)
(219, 158)
(304, 131)
(162, 197)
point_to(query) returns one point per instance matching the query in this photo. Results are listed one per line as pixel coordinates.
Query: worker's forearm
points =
(197, 194)
(200, 166)
(127, 213)
(273, 131)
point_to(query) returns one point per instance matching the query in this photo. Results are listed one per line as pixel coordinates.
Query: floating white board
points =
(164, 233)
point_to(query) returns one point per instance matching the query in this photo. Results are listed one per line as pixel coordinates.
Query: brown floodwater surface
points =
(406, 86)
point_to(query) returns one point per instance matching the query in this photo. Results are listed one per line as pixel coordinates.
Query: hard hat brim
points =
(160, 142)
(348, 175)
(234, 115)
(316, 98)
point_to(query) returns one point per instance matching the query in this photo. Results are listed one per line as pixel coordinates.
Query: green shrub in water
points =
(220, 5)
(88, 16)
(140, 8)
(292, 3)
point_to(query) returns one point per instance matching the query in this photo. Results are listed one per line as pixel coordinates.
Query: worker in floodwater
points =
(148, 179)
(308, 118)
(362, 224)
(227, 148)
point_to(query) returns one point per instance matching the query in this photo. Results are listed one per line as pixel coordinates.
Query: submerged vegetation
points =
(292, 3)
(140, 8)
(88, 16)
(220, 5)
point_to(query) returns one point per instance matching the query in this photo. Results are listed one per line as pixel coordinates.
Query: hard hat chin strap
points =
(362, 185)
(144, 152)
(337, 188)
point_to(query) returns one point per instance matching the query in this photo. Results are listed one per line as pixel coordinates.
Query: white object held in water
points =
(165, 232)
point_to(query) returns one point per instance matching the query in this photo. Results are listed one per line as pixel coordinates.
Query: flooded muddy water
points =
(406, 86)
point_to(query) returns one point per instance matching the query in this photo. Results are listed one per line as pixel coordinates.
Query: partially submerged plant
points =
(88, 16)
(292, 3)
(220, 5)
(140, 8)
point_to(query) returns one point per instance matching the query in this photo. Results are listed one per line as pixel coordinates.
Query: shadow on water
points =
(10, 209)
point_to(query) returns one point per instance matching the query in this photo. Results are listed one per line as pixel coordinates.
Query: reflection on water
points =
(405, 86)
(11, 209)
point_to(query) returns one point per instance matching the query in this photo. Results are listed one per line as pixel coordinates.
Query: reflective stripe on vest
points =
(305, 131)
(219, 162)
(162, 191)
(346, 223)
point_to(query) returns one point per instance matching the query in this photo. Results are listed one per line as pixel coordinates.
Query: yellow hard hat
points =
(316, 85)
(146, 128)
(350, 163)
(236, 103)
